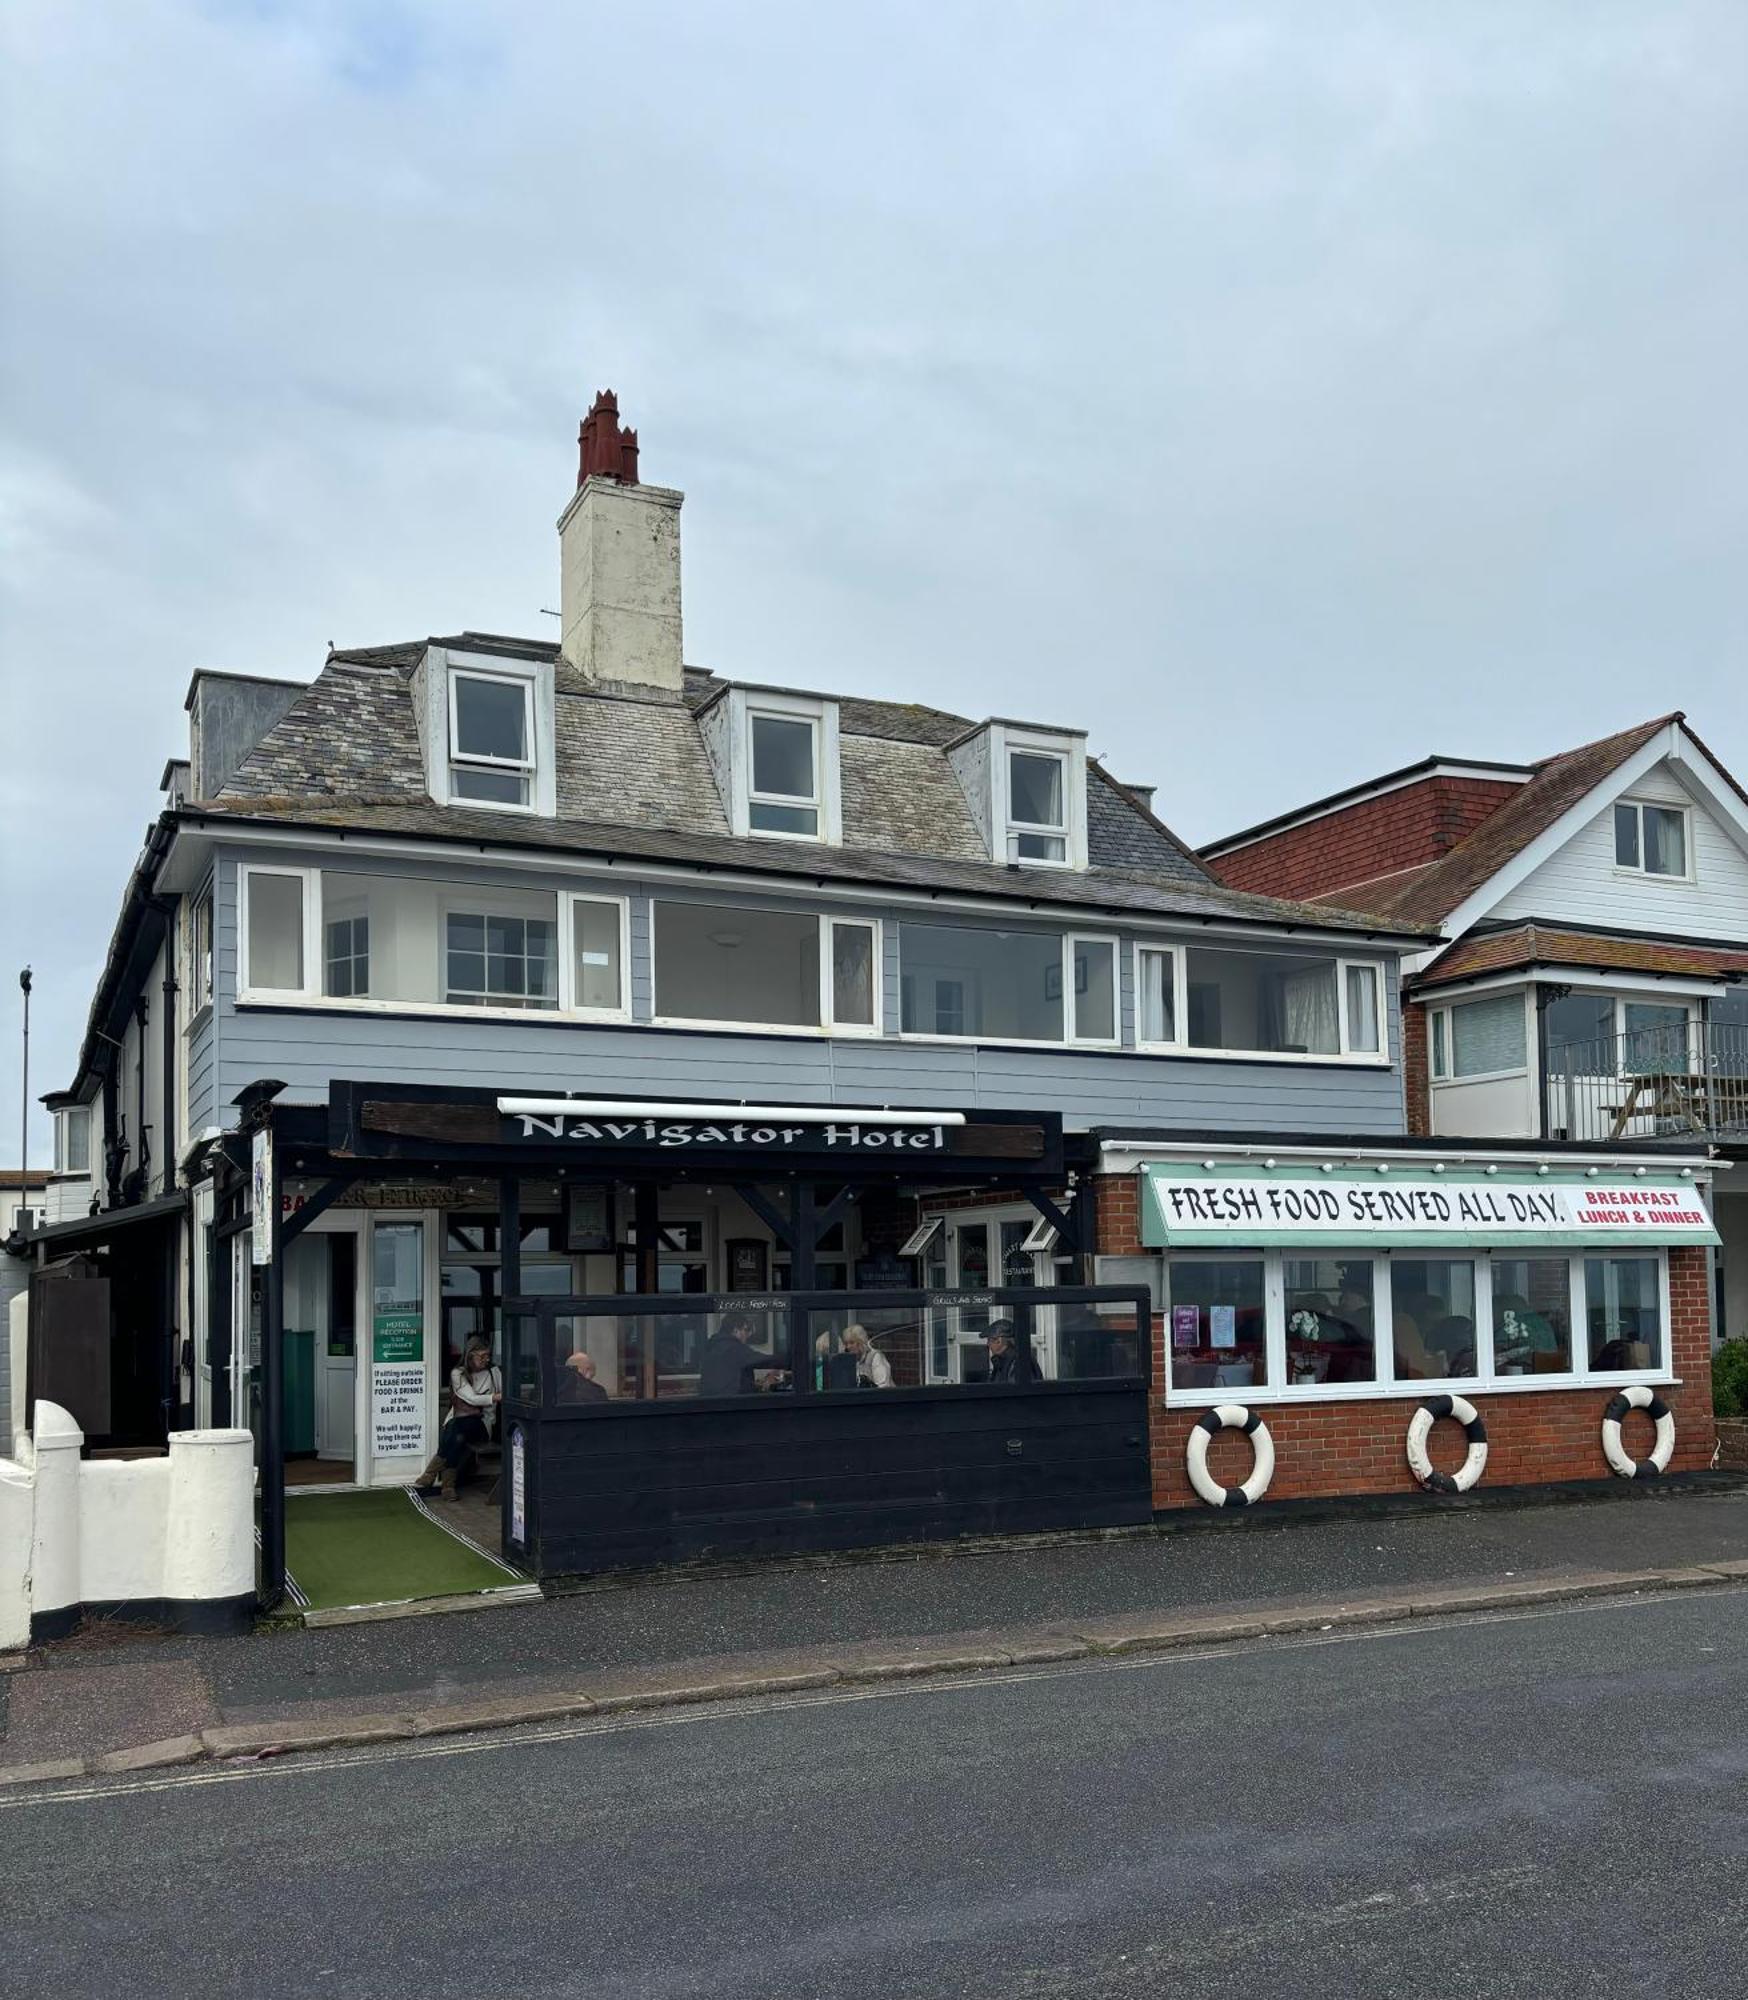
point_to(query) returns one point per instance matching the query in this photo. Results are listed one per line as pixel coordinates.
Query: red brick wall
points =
(1325, 1450)
(1401, 829)
(1416, 1088)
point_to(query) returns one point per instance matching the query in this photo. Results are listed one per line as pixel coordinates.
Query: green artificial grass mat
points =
(375, 1548)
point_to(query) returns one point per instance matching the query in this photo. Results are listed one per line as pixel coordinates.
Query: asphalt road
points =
(1536, 1804)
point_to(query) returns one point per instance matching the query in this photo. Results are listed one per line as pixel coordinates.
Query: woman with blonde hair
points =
(873, 1370)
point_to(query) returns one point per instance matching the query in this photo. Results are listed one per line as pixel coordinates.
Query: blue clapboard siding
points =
(308, 1048)
(201, 1041)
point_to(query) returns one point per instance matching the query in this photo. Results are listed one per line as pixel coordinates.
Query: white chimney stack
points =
(619, 557)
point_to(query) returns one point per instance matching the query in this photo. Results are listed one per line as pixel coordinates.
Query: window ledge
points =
(1403, 1392)
(433, 1010)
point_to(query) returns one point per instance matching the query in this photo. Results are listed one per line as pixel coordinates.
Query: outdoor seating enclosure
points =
(631, 1458)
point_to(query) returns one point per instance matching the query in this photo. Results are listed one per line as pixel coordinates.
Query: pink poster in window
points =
(1183, 1326)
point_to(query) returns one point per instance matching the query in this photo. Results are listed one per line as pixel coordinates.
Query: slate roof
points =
(1423, 897)
(635, 779)
(1525, 945)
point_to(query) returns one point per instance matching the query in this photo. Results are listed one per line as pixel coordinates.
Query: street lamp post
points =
(24, 1100)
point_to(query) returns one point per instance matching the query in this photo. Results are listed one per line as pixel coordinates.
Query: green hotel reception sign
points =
(398, 1336)
(1185, 1206)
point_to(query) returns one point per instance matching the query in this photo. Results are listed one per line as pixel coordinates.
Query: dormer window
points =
(488, 727)
(491, 738)
(73, 1139)
(783, 796)
(775, 756)
(1038, 805)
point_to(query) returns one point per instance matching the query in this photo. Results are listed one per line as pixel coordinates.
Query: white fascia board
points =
(1382, 943)
(1653, 985)
(1551, 839)
(1699, 770)
(1123, 1156)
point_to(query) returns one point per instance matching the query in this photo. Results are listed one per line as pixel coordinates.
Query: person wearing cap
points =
(1009, 1361)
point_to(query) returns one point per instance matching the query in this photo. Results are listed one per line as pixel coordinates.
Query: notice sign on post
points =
(261, 1197)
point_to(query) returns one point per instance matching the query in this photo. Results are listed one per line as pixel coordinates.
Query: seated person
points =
(1454, 1337)
(833, 1368)
(871, 1368)
(730, 1365)
(1009, 1361)
(576, 1380)
(1415, 1361)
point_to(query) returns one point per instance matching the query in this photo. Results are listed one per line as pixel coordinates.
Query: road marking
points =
(521, 1736)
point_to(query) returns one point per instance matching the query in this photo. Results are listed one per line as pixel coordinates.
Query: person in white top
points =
(873, 1370)
(476, 1389)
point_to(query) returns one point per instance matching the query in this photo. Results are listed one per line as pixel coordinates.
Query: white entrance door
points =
(321, 1283)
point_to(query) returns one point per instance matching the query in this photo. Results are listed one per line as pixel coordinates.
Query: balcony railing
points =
(1658, 1083)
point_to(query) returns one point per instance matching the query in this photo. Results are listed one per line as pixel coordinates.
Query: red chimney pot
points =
(603, 450)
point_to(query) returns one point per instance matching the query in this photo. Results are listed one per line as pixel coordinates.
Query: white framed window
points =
(491, 738)
(1159, 1003)
(1362, 1007)
(783, 782)
(200, 951)
(592, 971)
(1294, 1323)
(721, 965)
(1037, 794)
(1653, 840)
(278, 929)
(346, 958)
(1090, 973)
(499, 958)
(73, 1139)
(1484, 1037)
(1284, 1006)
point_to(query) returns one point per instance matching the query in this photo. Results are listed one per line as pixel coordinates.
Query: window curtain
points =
(1309, 1012)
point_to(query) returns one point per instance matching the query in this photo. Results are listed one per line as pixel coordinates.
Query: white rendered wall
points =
(1502, 1107)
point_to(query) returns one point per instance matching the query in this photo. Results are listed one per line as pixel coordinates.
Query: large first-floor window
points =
(1307, 1323)
(722, 964)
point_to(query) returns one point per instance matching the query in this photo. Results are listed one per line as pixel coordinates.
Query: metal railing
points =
(1652, 1083)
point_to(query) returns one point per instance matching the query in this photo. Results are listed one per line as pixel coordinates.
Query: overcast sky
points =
(1279, 392)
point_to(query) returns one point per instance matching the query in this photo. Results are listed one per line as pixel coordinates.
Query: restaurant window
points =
(1331, 1319)
(720, 964)
(1487, 1037)
(1532, 1315)
(1219, 1322)
(783, 795)
(1623, 1313)
(1433, 1318)
(1650, 840)
(491, 738)
(1156, 996)
(1037, 793)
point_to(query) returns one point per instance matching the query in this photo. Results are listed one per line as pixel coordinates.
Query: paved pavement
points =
(1533, 1804)
(109, 1689)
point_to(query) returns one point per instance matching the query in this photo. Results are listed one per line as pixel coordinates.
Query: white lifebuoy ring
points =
(1231, 1417)
(1420, 1427)
(1638, 1397)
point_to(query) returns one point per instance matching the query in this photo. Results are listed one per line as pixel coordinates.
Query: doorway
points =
(321, 1347)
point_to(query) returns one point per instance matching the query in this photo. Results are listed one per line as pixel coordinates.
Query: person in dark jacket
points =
(1008, 1360)
(576, 1380)
(729, 1363)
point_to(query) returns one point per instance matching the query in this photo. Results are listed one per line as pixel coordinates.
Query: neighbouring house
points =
(722, 1052)
(1590, 982)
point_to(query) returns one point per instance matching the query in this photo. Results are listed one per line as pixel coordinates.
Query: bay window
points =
(73, 1139)
(406, 941)
(723, 965)
(1485, 1037)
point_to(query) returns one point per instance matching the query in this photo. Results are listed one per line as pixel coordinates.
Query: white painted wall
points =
(1582, 885)
(1497, 1107)
(179, 1527)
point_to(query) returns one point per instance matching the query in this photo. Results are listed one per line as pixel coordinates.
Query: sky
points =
(1279, 392)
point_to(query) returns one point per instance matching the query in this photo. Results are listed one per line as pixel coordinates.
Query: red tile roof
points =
(1537, 944)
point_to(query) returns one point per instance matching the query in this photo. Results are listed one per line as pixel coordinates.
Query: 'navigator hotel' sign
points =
(841, 1135)
(1262, 1208)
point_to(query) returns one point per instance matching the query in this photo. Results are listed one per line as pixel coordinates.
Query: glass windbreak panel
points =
(1362, 1010)
(1096, 1343)
(1653, 1039)
(783, 758)
(1488, 1035)
(1331, 1319)
(491, 719)
(1006, 985)
(1218, 1323)
(1156, 998)
(430, 943)
(854, 1347)
(1268, 1002)
(477, 1235)
(1626, 836)
(595, 938)
(1665, 838)
(1623, 1312)
(656, 1357)
(1579, 1029)
(1532, 1315)
(1434, 1322)
(720, 964)
(275, 915)
(853, 975)
(1095, 990)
